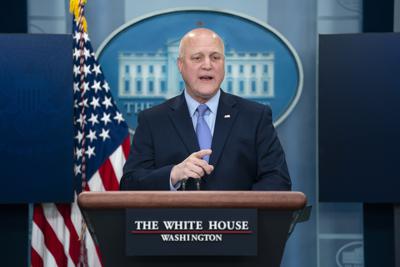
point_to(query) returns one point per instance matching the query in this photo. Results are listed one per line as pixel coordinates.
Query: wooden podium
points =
(276, 215)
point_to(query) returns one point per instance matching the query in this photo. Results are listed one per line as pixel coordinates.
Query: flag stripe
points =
(51, 241)
(117, 159)
(56, 222)
(76, 217)
(36, 259)
(108, 177)
(95, 183)
(126, 145)
(74, 247)
(38, 246)
(94, 258)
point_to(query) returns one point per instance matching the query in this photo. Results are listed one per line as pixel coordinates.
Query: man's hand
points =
(193, 166)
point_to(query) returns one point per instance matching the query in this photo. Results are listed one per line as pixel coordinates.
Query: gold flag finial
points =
(78, 15)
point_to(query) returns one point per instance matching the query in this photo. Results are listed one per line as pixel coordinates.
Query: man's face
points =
(202, 65)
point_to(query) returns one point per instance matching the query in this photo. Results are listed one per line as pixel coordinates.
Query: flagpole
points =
(83, 261)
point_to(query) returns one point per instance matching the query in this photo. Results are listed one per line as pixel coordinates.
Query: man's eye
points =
(216, 57)
(196, 58)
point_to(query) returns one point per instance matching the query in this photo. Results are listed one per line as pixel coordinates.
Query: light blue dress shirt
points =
(210, 117)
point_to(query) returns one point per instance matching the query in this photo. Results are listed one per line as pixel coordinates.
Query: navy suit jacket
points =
(246, 152)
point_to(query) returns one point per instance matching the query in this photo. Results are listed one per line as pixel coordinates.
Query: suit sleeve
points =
(272, 171)
(139, 172)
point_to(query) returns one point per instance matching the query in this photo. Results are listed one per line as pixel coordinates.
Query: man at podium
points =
(205, 138)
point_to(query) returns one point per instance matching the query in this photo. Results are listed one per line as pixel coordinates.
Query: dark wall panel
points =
(359, 124)
(14, 16)
(378, 16)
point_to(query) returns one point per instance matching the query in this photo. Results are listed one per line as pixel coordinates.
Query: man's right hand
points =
(192, 167)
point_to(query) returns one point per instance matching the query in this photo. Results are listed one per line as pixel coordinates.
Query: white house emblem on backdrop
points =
(143, 75)
(139, 61)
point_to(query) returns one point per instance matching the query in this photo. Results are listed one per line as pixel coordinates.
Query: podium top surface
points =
(278, 200)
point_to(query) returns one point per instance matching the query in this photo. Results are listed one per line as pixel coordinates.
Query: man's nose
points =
(206, 63)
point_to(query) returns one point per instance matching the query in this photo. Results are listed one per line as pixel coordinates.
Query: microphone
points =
(184, 184)
(197, 184)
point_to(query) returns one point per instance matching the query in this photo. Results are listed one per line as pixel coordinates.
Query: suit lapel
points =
(226, 116)
(180, 117)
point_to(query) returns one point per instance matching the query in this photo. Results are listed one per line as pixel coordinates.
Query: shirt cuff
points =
(172, 187)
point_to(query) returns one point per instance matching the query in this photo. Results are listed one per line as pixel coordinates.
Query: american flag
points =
(101, 145)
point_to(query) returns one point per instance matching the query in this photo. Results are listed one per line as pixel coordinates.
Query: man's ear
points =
(179, 62)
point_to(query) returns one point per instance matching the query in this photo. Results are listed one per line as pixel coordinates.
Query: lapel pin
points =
(227, 116)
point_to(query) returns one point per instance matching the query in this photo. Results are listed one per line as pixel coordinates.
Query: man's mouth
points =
(206, 78)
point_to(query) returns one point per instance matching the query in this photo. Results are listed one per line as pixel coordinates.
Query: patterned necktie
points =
(202, 130)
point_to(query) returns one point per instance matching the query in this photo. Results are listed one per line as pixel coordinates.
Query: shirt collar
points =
(212, 103)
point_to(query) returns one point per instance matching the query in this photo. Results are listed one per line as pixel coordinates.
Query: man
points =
(205, 137)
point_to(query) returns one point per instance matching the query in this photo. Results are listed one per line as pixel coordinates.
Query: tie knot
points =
(202, 108)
